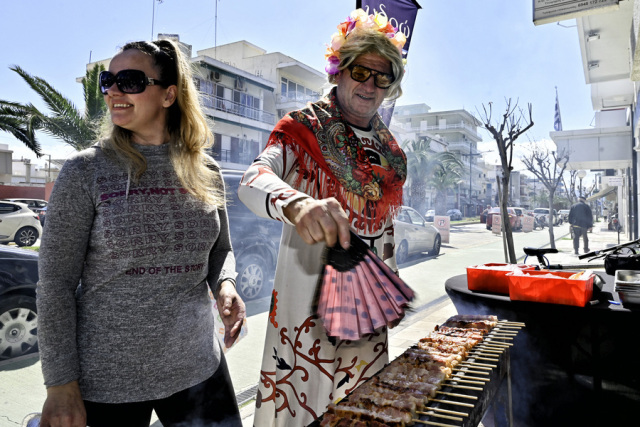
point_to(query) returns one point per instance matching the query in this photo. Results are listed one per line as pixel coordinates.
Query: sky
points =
(463, 53)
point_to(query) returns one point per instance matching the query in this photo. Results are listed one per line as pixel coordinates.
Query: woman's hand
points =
(64, 407)
(320, 221)
(232, 311)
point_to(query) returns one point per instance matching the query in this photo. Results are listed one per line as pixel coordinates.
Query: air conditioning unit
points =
(240, 84)
(214, 75)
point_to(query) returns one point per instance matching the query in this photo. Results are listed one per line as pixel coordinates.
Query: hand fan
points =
(358, 293)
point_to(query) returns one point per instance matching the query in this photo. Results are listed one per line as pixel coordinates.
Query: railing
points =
(298, 97)
(232, 107)
(437, 128)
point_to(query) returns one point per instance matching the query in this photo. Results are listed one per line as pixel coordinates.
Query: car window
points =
(415, 218)
(404, 217)
(6, 208)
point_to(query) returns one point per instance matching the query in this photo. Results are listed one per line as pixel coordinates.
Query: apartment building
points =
(455, 131)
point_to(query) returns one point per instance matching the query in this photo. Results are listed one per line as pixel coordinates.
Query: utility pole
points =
(471, 155)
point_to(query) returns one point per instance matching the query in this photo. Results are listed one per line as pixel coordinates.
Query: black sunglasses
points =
(360, 73)
(128, 81)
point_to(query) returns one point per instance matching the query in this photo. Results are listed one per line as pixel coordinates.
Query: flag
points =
(402, 15)
(557, 120)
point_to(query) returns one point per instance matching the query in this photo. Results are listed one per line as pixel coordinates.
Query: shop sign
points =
(614, 181)
(546, 11)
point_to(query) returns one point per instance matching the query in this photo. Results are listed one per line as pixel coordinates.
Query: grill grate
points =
(247, 395)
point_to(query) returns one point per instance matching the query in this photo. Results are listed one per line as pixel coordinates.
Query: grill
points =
(435, 382)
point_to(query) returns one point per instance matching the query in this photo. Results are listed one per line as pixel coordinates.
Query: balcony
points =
(461, 127)
(232, 107)
(293, 100)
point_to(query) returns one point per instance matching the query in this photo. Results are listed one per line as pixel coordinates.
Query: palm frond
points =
(18, 120)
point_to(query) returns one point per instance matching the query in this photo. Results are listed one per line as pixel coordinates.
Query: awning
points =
(606, 190)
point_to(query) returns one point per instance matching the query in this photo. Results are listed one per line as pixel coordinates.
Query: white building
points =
(455, 131)
(611, 65)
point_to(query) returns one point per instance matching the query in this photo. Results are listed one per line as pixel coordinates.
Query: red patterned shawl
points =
(320, 132)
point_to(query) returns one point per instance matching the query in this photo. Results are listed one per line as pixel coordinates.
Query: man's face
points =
(359, 101)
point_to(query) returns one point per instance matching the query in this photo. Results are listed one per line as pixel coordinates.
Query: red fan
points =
(358, 293)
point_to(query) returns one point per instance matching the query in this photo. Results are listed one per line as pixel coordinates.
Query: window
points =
(415, 218)
(293, 91)
(6, 208)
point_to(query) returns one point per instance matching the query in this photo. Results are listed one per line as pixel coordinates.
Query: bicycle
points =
(543, 261)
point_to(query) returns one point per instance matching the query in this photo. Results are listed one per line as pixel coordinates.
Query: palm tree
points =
(12, 120)
(426, 168)
(444, 178)
(65, 121)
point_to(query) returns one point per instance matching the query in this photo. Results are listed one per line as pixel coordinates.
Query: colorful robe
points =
(313, 152)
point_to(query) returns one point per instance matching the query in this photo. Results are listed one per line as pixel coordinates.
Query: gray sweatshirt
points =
(140, 325)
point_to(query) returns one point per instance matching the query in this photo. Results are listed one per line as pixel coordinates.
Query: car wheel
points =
(436, 246)
(402, 254)
(26, 236)
(251, 279)
(18, 326)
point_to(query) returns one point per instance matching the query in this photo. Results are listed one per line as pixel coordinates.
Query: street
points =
(21, 387)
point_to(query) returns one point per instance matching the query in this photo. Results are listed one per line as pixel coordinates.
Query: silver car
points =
(414, 235)
(18, 224)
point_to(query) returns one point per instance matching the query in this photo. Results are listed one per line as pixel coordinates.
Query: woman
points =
(327, 169)
(139, 220)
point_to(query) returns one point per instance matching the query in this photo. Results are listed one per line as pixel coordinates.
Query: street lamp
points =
(581, 174)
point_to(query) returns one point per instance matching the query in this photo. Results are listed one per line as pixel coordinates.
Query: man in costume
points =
(327, 169)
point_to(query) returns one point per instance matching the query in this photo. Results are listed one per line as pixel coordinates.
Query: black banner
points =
(402, 15)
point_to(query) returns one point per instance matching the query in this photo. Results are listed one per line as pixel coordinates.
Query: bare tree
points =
(511, 125)
(571, 188)
(548, 166)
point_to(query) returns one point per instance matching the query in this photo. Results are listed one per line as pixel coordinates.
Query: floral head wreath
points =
(359, 19)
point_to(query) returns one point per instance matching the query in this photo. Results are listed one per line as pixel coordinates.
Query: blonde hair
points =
(368, 40)
(189, 133)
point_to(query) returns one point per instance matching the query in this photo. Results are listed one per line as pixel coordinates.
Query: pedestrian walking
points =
(328, 168)
(139, 222)
(581, 220)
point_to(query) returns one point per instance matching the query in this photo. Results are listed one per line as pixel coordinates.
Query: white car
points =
(38, 206)
(18, 224)
(414, 235)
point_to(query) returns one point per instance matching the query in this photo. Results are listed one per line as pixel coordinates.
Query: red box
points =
(492, 277)
(560, 290)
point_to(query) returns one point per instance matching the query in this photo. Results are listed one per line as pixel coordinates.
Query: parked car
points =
(430, 215)
(414, 235)
(514, 220)
(18, 313)
(520, 212)
(36, 205)
(545, 211)
(255, 242)
(454, 214)
(18, 224)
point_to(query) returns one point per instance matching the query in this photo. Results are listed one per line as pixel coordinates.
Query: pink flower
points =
(332, 66)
